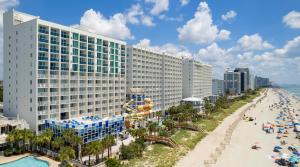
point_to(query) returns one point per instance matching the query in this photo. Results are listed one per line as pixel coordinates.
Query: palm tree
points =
(71, 138)
(66, 153)
(158, 114)
(57, 143)
(27, 137)
(141, 132)
(109, 141)
(47, 136)
(100, 148)
(11, 138)
(152, 127)
(91, 149)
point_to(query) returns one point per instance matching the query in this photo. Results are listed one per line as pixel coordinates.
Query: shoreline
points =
(207, 148)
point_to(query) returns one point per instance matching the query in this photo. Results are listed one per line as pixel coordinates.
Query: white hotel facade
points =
(197, 79)
(53, 71)
(58, 72)
(159, 74)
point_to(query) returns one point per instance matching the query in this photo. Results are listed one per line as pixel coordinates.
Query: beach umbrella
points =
(284, 156)
(293, 159)
(277, 147)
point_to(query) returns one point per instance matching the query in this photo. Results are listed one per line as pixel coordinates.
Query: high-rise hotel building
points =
(157, 73)
(197, 79)
(57, 72)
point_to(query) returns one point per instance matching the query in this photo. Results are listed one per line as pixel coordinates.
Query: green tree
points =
(112, 162)
(91, 150)
(109, 141)
(208, 108)
(66, 153)
(57, 143)
(152, 127)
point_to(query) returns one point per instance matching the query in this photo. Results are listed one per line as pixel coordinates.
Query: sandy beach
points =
(238, 151)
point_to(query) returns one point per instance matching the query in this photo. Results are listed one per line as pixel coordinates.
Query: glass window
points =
(75, 44)
(75, 36)
(75, 59)
(75, 51)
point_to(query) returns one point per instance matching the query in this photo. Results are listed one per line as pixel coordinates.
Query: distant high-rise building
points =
(197, 79)
(245, 78)
(252, 82)
(232, 82)
(261, 82)
(217, 87)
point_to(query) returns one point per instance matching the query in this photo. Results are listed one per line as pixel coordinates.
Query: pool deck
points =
(51, 162)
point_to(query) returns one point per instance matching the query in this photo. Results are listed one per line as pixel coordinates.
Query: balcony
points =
(52, 111)
(54, 76)
(43, 31)
(54, 93)
(43, 75)
(54, 50)
(43, 103)
(43, 94)
(43, 85)
(62, 110)
(54, 85)
(42, 40)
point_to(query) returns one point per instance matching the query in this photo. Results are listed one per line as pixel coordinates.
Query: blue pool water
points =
(29, 161)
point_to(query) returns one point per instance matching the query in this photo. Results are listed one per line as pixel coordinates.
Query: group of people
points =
(284, 125)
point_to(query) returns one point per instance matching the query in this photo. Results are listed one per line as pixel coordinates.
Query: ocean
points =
(294, 89)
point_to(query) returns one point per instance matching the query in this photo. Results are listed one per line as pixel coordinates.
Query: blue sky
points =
(258, 34)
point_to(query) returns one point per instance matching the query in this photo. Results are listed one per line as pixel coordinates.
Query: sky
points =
(263, 35)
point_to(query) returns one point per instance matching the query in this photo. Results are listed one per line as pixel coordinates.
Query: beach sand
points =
(238, 152)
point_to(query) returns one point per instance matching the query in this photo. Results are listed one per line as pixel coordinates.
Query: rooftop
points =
(84, 122)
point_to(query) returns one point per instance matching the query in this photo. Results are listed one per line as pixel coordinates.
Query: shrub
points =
(8, 152)
(164, 133)
(18, 150)
(133, 150)
(112, 162)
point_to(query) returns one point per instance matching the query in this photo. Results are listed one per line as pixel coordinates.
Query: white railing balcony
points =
(43, 85)
(54, 93)
(53, 111)
(54, 76)
(54, 102)
(64, 85)
(82, 107)
(43, 75)
(56, 85)
(74, 92)
(43, 103)
(90, 107)
(73, 85)
(74, 100)
(64, 76)
(73, 108)
(43, 112)
(64, 110)
(43, 94)
(64, 101)
(74, 77)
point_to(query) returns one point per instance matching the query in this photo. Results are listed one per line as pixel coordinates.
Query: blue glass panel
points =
(106, 123)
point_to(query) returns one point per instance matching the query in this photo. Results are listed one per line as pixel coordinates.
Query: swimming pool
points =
(29, 161)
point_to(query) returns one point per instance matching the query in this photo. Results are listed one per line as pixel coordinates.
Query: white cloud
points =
(159, 6)
(253, 42)
(292, 19)
(184, 2)
(224, 34)
(229, 15)
(201, 29)
(115, 26)
(135, 15)
(147, 20)
(4, 6)
(168, 18)
(144, 43)
(280, 64)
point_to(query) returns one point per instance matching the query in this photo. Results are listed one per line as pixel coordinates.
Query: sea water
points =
(293, 89)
